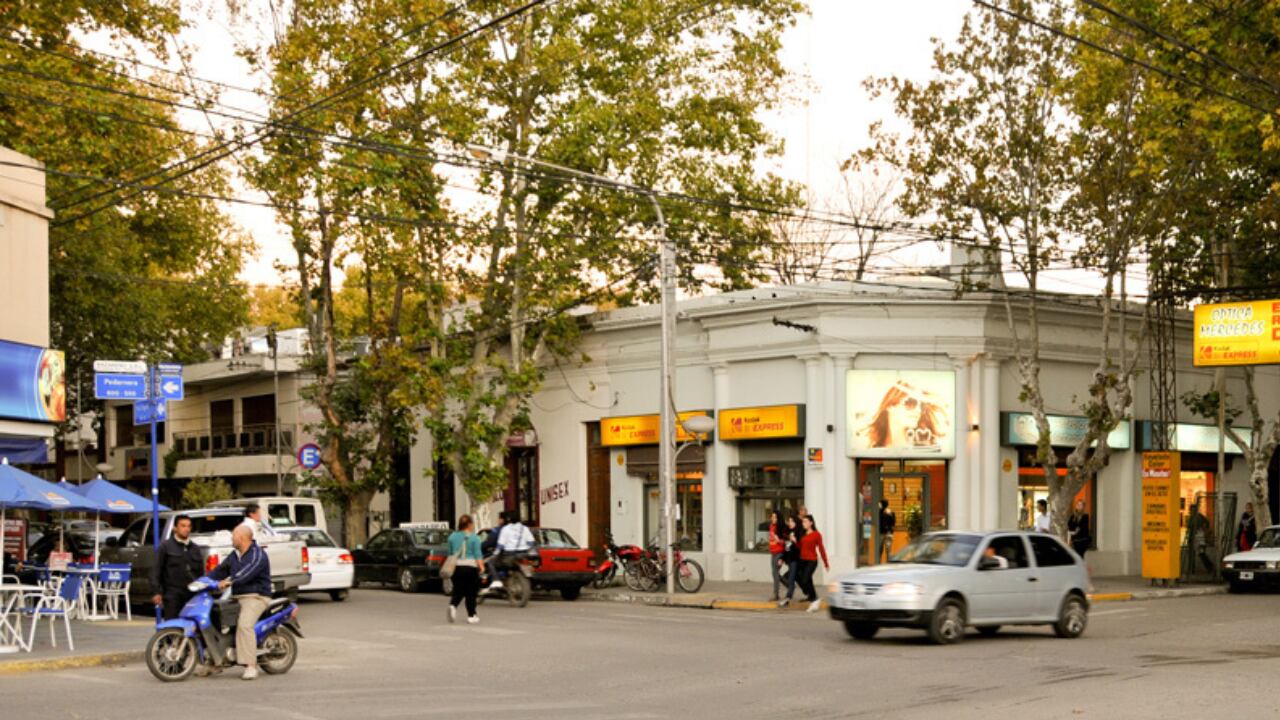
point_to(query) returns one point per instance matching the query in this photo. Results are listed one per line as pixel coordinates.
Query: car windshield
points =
(555, 539)
(313, 538)
(954, 550)
(205, 525)
(1270, 538)
(423, 538)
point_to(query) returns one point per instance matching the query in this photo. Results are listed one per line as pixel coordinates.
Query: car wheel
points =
(860, 630)
(571, 593)
(338, 595)
(1073, 618)
(947, 624)
(989, 630)
(407, 583)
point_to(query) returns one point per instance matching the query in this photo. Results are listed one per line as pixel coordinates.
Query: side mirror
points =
(360, 547)
(112, 542)
(988, 563)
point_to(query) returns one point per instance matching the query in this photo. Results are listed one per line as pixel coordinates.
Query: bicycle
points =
(650, 571)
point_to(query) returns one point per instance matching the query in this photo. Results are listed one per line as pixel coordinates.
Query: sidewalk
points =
(755, 596)
(97, 643)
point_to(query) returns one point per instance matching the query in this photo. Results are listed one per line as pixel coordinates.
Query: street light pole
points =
(667, 384)
(273, 343)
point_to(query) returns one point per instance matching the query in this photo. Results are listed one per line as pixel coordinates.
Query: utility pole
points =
(667, 415)
(273, 343)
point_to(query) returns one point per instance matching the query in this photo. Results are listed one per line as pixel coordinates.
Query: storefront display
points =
(763, 488)
(688, 527)
(916, 493)
(902, 413)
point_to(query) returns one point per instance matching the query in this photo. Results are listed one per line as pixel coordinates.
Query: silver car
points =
(946, 581)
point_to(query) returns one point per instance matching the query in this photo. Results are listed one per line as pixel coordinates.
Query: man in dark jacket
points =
(248, 572)
(178, 563)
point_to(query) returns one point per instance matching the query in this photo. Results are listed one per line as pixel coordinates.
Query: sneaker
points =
(814, 606)
(250, 673)
(785, 602)
(495, 585)
(453, 613)
(474, 619)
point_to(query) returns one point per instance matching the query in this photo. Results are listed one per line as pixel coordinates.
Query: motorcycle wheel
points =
(518, 589)
(171, 655)
(279, 652)
(634, 576)
(605, 579)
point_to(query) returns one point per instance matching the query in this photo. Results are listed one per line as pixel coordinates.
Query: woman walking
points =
(776, 547)
(465, 545)
(792, 534)
(811, 547)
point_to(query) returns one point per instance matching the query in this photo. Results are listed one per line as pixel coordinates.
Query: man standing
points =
(178, 563)
(888, 521)
(1042, 517)
(248, 572)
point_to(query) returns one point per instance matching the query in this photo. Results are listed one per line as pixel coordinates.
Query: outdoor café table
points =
(87, 605)
(11, 639)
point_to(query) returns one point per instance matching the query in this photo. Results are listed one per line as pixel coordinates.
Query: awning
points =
(21, 451)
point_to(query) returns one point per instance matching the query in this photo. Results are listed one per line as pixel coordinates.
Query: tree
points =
(201, 492)
(994, 151)
(273, 305)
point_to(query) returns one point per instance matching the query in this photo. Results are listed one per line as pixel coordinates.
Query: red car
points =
(564, 565)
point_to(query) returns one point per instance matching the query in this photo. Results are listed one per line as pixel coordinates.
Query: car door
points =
(368, 564)
(133, 548)
(1059, 570)
(1009, 593)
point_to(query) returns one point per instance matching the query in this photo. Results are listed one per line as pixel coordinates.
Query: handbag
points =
(451, 562)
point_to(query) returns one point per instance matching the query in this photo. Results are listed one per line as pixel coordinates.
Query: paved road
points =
(387, 655)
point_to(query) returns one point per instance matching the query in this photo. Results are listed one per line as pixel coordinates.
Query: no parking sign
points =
(309, 456)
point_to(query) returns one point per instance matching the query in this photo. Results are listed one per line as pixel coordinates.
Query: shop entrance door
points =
(905, 492)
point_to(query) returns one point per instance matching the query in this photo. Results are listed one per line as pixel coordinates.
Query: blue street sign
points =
(117, 386)
(309, 456)
(170, 387)
(169, 368)
(150, 411)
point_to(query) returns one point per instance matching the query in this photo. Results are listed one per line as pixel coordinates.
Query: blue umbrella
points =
(20, 489)
(115, 498)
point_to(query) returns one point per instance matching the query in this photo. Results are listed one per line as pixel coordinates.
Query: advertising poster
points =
(15, 538)
(1161, 516)
(1240, 333)
(32, 383)
(902, 413)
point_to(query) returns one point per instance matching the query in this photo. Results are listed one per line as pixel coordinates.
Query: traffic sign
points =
(149, 411)
(170, 387)
(309, 456)
(131, 367)
(118, 386)
(169, 368)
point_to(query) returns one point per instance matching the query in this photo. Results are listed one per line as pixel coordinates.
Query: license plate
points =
(1246, 576)
(856, 604)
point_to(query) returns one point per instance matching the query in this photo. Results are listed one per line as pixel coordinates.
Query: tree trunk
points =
(356, 518)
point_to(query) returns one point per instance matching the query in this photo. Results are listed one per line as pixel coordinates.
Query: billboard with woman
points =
(902, 413)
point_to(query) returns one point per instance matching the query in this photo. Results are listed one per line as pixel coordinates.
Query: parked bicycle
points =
(649, 573)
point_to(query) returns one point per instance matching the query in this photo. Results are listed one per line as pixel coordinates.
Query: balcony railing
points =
(248, 440)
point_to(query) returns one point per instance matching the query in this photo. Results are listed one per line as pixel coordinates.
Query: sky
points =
(831, 52)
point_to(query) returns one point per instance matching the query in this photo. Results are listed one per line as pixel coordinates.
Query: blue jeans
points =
(775, 561)
(792, 567)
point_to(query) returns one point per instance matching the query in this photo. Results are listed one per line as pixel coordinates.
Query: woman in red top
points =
(811, 547)
(776, 546)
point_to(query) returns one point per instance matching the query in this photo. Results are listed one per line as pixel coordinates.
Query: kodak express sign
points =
(762, 423)
(640, 429)
(1243, 333)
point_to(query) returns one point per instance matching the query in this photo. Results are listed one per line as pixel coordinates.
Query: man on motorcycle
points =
(513, 538)
(248, 572)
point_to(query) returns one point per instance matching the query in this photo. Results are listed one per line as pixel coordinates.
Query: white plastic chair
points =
(112, 585)
(54, 606)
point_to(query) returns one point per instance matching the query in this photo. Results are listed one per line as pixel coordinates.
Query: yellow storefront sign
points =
(762, 423)
(1242, 333)
(1161, 515)
(640, 429)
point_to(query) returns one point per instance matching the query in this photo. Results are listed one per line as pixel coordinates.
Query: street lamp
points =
(667, 281)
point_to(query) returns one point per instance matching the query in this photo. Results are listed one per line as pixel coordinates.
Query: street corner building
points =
(836, 396)
(33, 395)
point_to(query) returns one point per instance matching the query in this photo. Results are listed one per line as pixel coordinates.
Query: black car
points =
(408, 557)
(80, 546)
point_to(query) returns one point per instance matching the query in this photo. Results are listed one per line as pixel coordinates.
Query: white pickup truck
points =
(211, 530)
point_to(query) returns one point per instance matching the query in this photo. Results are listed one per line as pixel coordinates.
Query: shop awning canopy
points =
(24, 449)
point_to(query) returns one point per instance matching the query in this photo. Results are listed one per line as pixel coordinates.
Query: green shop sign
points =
(1064, 430)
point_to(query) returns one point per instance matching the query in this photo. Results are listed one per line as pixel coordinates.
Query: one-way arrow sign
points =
(149, 411)
(171, 387)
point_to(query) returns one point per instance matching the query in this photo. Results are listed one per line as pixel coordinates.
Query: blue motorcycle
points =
(205, 633)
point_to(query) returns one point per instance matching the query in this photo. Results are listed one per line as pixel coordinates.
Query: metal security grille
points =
(1208, 536)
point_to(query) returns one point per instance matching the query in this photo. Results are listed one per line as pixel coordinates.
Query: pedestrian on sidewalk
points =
(791, 556)
(811, 547)
(1043, 523)
(776, 546)
(1078, 530)
(465, 544)
(888, 522)
(1247, 537)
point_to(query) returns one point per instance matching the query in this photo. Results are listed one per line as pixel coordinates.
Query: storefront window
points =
(754, 508)
(1032, 488)
(688, 527)
(916, 491)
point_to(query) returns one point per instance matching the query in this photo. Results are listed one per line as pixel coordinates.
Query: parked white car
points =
(1256, 568)
(332, 567)
(945, 582)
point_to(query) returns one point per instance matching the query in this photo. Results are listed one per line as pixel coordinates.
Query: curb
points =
(18, 667)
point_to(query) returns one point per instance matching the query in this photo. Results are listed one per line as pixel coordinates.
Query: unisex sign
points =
(32, 383)
(1243, 333)
(1161, 515)
(640, 429)
(762, 423)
